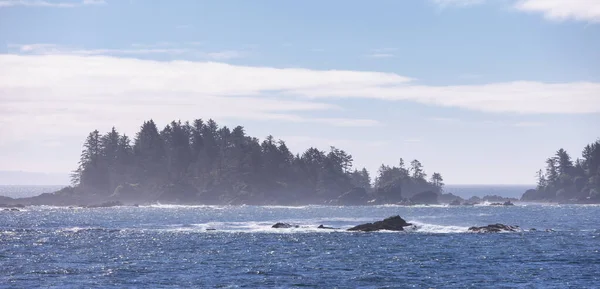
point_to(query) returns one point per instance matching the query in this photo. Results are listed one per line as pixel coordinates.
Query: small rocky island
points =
(200, 162)
(569, 182)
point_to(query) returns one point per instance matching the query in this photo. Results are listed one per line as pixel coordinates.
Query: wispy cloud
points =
(559, 10)
(165, 48)
(380, 55)
(487, 123)
(529, 124)
(462, 3)
(56, 4)
(72, 93)
(444, 119)
(225, 55)
(386, 52)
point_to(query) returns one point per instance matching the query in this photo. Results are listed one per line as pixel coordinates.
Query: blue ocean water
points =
(167, 246)
(24, 191)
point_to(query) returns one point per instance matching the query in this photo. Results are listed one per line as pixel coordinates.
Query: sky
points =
(482, 91)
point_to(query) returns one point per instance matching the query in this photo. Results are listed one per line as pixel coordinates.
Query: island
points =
(200, 162)
(567, 181)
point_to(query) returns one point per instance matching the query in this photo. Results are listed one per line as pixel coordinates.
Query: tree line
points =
(203, 162)
(564, 179)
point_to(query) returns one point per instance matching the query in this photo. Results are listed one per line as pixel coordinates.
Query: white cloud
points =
(557, 10)
(582, 10)
(514, 97)
(43, 3)
(74, 93)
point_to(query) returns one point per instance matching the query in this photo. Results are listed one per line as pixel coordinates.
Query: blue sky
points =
(481, 91)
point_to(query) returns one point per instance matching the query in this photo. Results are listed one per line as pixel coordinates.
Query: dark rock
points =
(425, 198)
(455, 203)
(498, 199)
(354, 197)
(211, 229)
(449, 198)
(324, 227)
(532, 229)
(494, 228)
(394, 223)
(284, 226)
(507, 203)
(531, 195)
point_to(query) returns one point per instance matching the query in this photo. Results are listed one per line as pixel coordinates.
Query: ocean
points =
(168, 246)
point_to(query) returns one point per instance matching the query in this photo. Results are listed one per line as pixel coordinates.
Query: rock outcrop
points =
(284, 226)
(394, 223)
(324, 227)
(425, 198)
(494, 228)
(389, 194)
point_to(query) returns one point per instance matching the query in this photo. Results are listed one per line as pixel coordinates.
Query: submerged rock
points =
(324, 227)
(494, 228)
(394, 223)
(284, 226)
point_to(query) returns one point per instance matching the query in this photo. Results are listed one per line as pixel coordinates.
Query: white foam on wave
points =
(419, 227)
(410, 206)
(247, 227)
(308, 226)
(169, 206)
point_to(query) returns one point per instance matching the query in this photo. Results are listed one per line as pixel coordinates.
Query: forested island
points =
(565, 181)
(200, 162)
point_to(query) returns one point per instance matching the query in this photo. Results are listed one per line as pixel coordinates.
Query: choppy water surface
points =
(169, 246)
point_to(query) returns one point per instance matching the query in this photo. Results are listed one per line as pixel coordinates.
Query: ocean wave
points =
(308, 226)
(419, 227)
(87, 229)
